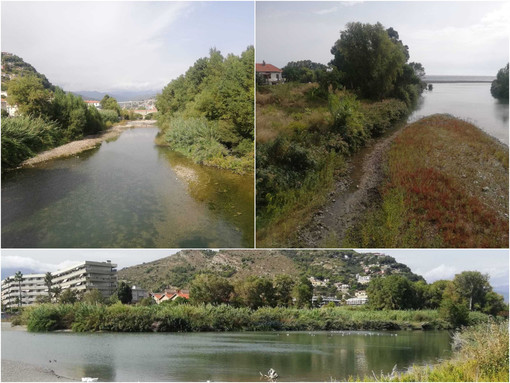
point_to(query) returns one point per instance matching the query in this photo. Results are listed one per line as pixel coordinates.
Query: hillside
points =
(13, 66)
(337, 266)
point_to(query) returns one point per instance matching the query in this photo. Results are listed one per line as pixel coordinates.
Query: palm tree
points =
(48, 278)
(18, 277)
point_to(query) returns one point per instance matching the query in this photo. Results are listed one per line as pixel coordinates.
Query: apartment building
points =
(84, 276)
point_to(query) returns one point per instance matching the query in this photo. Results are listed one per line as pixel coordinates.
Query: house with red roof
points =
(270, 73)
(170, 295)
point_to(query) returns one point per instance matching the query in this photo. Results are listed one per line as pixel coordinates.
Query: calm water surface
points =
(469, 101)
(300, 356)
(126, 193)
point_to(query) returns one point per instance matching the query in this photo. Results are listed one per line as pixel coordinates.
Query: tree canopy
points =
(499, 87)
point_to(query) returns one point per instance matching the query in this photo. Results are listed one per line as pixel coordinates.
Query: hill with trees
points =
(14, 66)
(180, 269)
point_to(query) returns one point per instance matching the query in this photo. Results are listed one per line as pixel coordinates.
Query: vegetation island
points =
(438, 182)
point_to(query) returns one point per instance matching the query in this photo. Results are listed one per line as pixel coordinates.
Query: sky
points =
(104, 46)
(431, 264)
(448, 38)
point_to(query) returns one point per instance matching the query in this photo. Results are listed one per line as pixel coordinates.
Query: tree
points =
(124, 293)
(494, 304)
(435, 291)
(369, 59)
(283, 285)
(499, 87)
(93, 296)
(48, 281)
(110, 103)
(302, 71)
(212, 289)
(57, 290)
(18, 277)
(68, 296)
(392, 293)
(256, 292)
(303, 293)
(472, 286)
(30, 95)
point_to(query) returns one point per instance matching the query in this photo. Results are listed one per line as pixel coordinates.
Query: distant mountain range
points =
(119, 95)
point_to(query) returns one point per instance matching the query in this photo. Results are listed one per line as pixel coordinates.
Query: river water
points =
(469, 101)
(299, 356)
(126, 193)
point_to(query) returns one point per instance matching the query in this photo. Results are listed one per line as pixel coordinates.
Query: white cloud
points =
(326, 11)
(14, 261)
(440, 272)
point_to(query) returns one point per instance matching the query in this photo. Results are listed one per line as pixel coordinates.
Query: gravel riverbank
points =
(13, 371)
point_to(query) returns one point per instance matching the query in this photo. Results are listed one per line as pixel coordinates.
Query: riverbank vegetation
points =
(480, 355)
(306, 132)
(207, 113)
(446, 186)
(499, 87)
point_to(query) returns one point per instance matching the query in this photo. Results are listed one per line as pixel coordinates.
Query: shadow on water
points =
(126, 193)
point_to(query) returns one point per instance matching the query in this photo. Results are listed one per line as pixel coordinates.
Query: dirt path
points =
(349, 200)
(87, 143)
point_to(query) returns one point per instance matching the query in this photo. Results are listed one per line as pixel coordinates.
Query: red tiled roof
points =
(267, 68)
(182, 295)
(91, 101)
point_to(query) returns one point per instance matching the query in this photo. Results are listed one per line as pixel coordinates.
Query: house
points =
(270, 73)
(137, 294)
(94, 103)
(318, 283)
(363, 300)
(363, 279)
(170, 295)
(344, 288)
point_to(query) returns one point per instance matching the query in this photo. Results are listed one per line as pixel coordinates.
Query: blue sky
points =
(448, 38)
(122, 45)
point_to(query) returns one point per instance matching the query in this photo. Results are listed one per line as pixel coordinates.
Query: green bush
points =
(48, 317)
(109, 116)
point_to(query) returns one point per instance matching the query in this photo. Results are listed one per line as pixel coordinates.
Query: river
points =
(128, 192)
(469, 101)
(298, 356)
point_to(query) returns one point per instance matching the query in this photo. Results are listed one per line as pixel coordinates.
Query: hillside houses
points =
(170, 295)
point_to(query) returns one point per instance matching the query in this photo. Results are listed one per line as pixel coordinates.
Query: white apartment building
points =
(84, 276)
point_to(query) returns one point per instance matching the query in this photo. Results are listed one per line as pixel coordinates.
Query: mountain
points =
(180, 269)
(14, 66)
(119, 95)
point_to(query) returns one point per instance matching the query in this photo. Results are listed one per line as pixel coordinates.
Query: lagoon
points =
(296, 356)
(126, 193)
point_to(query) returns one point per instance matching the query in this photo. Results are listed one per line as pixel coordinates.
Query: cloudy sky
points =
(124, 45)
(431, 264)
(448, 38)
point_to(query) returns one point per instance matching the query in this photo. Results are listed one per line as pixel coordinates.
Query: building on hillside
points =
(318, 282)
(269, 73)
(87, 275)
(94, 103)
(342, 287)
(325, 300)
(363, 279)
(138, 294)
(170, 295)
(357, 301)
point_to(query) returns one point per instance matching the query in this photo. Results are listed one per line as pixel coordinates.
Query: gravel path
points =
(87, 143)
(23, 372)
(347, 204)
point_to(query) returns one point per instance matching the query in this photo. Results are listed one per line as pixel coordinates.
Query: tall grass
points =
(24, 136)
(83, 317)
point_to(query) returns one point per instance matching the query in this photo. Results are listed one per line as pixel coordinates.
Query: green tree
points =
(499, 87)
(303, 293)
(48, 281)
(18, 277)
(93, 297)
(255, 292)
(283, 285)
(56, 291)
(435, 293)
(207, 288)
(110, 103)
(472, 286)
(302, 71)
(30, 95)
(68, 296)
(392, 293)
(124, 293)
(370, 59)
(494, 303)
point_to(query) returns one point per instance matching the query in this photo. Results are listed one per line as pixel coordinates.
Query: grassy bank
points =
(481, 355)
(304, 140)
(82, 317)
(446, 186)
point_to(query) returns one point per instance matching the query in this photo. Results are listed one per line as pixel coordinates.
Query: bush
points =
(49, 317)
(109, 116)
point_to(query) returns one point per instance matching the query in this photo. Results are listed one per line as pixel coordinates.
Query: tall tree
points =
(18, 277)
(211, 289)
(110, 103)
(283, 285)
(473, 286)
(48, 281)
(29, 94)
(303, 293)
(124, 293)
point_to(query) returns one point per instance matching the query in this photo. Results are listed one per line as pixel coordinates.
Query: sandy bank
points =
(87, 143)
(23, 372)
